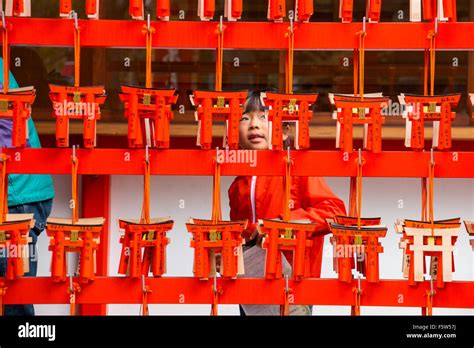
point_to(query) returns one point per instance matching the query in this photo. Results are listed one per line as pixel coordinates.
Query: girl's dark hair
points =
(254, 102)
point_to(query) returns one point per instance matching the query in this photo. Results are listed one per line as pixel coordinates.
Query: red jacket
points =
(312, 199)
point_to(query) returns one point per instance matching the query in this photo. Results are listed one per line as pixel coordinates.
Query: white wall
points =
(453, 198)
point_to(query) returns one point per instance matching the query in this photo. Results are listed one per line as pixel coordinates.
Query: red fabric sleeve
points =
(315, 201)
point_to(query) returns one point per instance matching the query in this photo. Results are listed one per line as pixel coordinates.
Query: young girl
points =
(254, 198)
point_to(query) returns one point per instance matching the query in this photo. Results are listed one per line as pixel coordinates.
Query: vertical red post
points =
(346, 130)
(96, 202)
(444, 139)
(206, 124)
(376, 130)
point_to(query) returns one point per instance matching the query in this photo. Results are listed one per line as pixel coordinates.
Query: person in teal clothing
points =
(27, 194)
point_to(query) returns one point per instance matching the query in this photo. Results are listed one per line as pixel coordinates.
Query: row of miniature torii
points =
(445, 10)
(287, 245)
(145, 240)
(149, 113)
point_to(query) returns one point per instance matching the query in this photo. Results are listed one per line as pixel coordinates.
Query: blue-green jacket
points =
(24, 188)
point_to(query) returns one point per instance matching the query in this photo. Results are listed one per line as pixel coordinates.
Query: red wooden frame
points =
(241, 35)
(189, 290)
(199, 162)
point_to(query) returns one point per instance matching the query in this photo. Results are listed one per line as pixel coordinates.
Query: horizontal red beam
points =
(240, 35)
(264, 162)
(114, 290)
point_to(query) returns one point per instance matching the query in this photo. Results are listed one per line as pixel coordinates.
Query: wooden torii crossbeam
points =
(353, 110)
(210, 238)
(292, 236)
(148, 111)
(288, 107)
(218, 105)
(144, 247)
(422, 238)
(364, 242)
(421, 108)
(470, 230)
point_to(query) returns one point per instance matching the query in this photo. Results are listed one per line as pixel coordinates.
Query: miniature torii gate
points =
(151, 237)
(76, 102)
(15, 104)
(280, 236)
(148, 109)
(355, 234)
(146, 233)
(211, 237)
(286, 235)
(74, 235)
(289, 107)
(215, 105)
(429, 107)
(216, 236)
(363, 240)
(428, 237)
(14, 229)
(358, 235)
(359, 108)
(218, 104)
(420, 239)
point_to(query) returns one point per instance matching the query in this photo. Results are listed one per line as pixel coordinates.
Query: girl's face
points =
(253, 131)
